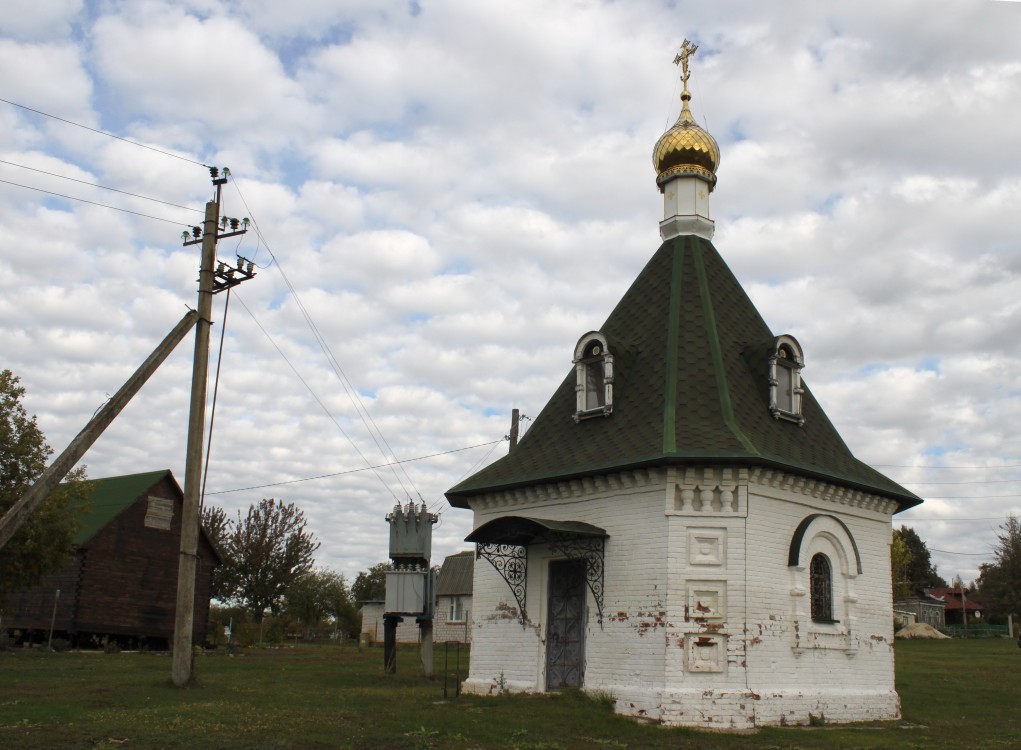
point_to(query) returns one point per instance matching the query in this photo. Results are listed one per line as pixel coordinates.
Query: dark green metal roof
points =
(690, 386)
(522, 530)
(112, 495)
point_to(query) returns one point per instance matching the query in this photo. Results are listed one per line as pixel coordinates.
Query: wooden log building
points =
(121, 583)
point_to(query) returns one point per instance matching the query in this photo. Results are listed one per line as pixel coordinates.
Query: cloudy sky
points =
(453, 191)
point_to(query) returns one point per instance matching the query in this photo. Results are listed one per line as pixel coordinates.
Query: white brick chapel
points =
(682, 526)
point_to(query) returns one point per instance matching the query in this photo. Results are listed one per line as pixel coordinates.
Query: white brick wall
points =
(625, 654)
(704, 623)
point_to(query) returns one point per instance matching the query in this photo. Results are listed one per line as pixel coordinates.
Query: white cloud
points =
(40, 19)
(211, 72)
(457, 191)
(48, 76)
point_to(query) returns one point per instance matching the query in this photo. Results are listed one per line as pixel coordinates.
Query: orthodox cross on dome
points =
(687, 51)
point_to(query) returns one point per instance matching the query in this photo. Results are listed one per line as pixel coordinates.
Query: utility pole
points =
(210, 282)
(515, 418)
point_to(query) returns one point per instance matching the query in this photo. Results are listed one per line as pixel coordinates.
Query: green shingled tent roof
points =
(690, 386)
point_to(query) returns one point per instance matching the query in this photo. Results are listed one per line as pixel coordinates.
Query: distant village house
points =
(453, 606)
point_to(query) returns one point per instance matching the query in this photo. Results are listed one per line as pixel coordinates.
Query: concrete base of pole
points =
(426, 629)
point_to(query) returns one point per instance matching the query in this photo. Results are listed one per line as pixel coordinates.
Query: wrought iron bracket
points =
(511, 562)
(592, 550)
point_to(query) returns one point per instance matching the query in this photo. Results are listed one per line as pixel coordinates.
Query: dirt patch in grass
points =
(921, 630)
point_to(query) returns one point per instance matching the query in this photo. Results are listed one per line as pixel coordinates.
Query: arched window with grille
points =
(821, 586)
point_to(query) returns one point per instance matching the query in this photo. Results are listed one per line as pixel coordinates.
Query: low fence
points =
(453, 671)
(975, 631)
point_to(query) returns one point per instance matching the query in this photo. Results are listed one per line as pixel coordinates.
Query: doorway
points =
(565, 625)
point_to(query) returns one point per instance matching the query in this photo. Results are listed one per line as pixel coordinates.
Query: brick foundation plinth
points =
(731, 710)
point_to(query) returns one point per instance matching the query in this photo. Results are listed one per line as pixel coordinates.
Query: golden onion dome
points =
(686, 149)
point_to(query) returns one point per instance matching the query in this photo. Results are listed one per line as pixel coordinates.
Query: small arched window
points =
(595, 379)
(821, 586)
(594, 372)
(785, 363)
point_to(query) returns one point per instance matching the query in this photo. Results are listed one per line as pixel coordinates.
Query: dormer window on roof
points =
(593, 364)
(786, 361)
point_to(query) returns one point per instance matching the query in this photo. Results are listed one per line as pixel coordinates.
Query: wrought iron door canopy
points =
(511, 562)
(504, 543)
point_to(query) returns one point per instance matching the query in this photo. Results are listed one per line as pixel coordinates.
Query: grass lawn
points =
(955, 694)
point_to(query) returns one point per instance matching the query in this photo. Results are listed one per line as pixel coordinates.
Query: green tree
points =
(43, 544)
(370, 585)
(321, 595)
(265, 551)
(920, 570)
(1000, 581)
(340, 605)
(218, 526)
(900, 565)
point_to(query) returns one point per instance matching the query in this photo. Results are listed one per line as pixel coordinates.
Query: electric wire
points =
(102, 187)
(975, 481)
(345, 382)
(966, 497)
(262, 239)
(352, 393)
(937, 518)
(969, 554)
(338, 371)
(931, 466)
(314, 395)
(212, 408)
(320, 340)
(352, 471)
(471, 470)
(103, 132)
(349, 389)
(481, 460)
(94, 203)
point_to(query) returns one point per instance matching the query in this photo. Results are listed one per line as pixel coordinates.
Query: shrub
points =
(602, 698)
(60, 645)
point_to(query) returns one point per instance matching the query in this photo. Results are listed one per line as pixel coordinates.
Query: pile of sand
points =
(919, 630)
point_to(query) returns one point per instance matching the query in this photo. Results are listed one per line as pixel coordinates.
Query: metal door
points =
(565, 625)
